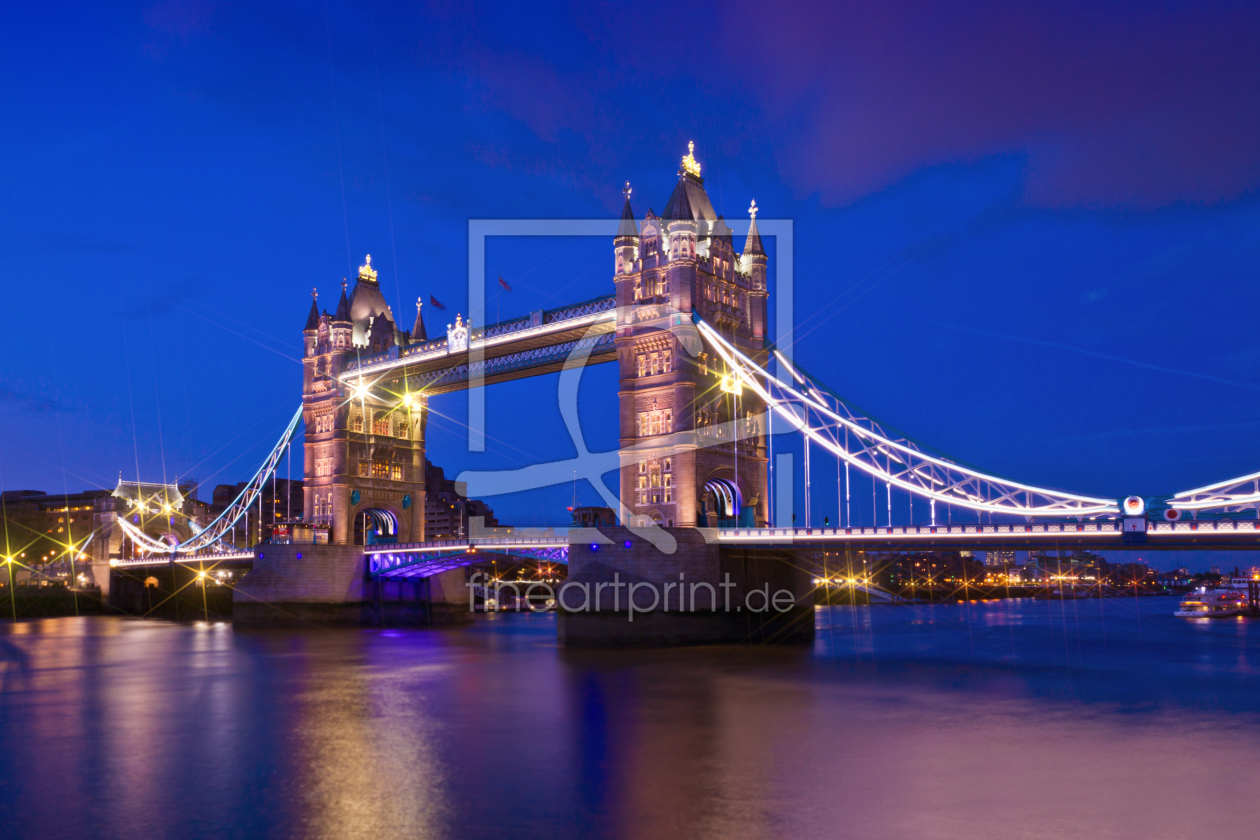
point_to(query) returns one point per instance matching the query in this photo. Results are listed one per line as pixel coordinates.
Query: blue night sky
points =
(1029, 237)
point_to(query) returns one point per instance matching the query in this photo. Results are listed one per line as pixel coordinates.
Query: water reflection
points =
(1029, 719)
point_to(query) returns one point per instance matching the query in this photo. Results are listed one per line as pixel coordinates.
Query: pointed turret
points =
(628, 226)
(418, 332)
(752, 245)
(343, 306)
(626, 242)
(312, 320)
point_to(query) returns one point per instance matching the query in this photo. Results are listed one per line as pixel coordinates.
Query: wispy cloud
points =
(1054, 345)
(1199, 429)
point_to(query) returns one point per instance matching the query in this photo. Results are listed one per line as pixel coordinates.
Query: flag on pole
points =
(504, 284)
(434, 303)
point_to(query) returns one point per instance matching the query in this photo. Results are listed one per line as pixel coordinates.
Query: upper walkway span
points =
(530, 346)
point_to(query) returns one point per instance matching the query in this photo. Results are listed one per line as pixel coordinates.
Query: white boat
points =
(1213, 603)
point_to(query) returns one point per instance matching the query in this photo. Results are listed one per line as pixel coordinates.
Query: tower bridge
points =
(701, 387)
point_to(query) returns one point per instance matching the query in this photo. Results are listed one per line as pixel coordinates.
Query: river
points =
(1007, 719)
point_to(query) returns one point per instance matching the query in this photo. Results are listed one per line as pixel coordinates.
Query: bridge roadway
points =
(429, 558)
(232, 556)
(535, 344)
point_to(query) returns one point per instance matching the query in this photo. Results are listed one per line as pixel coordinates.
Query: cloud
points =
(1112, 105)
(40, 401)
(180, 17)
(1054, 345)
(1137, 106)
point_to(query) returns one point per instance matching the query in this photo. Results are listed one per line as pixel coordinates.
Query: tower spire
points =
(312, 320)
(343, 305)
(689, 164)
(418, 332)
(628, 226)
(752, 245)
(366, 272)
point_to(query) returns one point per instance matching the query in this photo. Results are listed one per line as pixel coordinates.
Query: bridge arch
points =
(381, 520)
(723, 500)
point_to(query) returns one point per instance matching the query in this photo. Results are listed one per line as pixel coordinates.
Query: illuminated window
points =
(654, 361)
(380, 469)
(380, 425)
(396, 472)
(667, 359)
(669, 488)
(356, 422)
(365, 469)
(403, 429)
(642, 365)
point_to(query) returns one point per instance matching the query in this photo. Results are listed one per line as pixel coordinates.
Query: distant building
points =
(999, 558)
(594, 517)
(282, 499)
(447, 511)
(46, 526)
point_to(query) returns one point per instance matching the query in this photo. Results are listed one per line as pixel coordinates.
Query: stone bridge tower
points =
(364, 454)
(693, 446)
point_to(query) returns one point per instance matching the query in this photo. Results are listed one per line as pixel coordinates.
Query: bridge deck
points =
(1219, 534)
(213, 558)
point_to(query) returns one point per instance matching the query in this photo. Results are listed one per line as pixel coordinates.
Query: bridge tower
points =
(693, 446)
(364, 450)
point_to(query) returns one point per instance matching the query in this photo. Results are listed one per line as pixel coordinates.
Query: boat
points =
(1214, 603)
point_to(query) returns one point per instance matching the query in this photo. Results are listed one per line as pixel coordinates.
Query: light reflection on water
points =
(1106, 719)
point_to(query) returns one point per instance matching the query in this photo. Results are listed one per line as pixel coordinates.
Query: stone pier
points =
(697, 594)
(328, 585)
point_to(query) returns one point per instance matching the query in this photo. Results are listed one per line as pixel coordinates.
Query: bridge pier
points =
(168, 591)
(699, 593)
(328, 585)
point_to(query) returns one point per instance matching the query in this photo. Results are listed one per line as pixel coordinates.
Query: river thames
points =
(1012, 719)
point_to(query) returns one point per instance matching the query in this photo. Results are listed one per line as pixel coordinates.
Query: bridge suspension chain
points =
(1229, 496)
(208, 538)
(829, 421)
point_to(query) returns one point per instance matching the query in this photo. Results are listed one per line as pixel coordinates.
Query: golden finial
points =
(627, 191)
(752, 210)
(343, 284)
(689, 162)
(419, 301)
(315, 293)
(365, 271)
